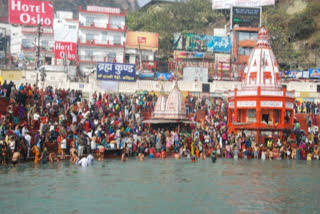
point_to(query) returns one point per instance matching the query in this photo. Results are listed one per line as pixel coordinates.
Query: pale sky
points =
(142, 2)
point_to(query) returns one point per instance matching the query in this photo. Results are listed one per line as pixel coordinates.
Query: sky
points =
(142, 2)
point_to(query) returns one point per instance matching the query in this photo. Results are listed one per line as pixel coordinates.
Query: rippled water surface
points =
(162, 186)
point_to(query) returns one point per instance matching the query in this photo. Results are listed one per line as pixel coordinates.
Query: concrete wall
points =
(59, 79)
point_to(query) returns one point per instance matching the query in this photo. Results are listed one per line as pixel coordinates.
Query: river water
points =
(162, 186)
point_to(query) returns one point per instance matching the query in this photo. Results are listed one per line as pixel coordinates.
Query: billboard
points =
(116, 71)
(314, 73)
(227, 4)
(142, 40)
(219, 44)
(66, 50)
(195, 74)
(26, 12)
(245, 17)
(164, 76)
(11, 74)
(65, 31)
(192, 55)
(223, 62)
(203, 43)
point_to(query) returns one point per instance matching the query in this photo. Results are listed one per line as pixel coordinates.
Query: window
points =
(104, 37)
(244, 51)
(72, 27)
(90, 37)
(26, 43)
(251, 115)
(88, 54)
(247, 36)
(112, 57)
(89, 21)
(44, 44)
(117, 40)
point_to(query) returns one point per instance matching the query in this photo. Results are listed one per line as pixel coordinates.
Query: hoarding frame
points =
(227, 4)
(231, 15)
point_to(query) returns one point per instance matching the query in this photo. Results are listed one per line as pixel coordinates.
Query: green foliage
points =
(277, 21)
(302, 26)
(290, 35)
(167, 19)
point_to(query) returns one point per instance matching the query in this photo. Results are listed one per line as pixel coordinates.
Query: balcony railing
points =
(100, 43)
(93, 11)
(92, 59)
(106, 27)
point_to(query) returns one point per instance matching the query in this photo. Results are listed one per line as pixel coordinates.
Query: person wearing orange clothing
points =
(35, 149)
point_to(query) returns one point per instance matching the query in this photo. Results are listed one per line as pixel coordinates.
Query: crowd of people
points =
(54, 124)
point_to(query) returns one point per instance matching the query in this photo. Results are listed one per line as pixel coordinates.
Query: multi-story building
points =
(4, 44)
(244, 40)
(27, 43)
(102, 36)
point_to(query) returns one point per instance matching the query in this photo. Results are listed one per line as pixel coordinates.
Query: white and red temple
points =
(169, 109)
(261, 107)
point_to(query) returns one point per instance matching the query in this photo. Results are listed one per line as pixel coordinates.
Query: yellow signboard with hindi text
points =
(11, 75)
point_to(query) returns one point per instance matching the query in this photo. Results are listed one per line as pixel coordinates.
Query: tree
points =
(166, 19)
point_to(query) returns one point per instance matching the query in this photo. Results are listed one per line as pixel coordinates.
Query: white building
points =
(5, 30)
(24, 43)
(101, 36)
(65, 30)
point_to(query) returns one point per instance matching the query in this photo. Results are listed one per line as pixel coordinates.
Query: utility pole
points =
(39, 31)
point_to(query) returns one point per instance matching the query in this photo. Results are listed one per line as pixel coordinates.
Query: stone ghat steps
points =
(303, 120)
(201, 115)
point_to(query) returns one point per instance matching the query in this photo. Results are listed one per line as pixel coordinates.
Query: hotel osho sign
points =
(32, 13)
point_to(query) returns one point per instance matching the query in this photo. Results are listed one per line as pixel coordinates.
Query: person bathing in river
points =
(141, 152)
(53, 157)
(44, 155)
(163, 154)
(73, 153)
(15, 158)
(36, 151)
(213, 156)
(124, 154)
(177, 154)
(90, 159)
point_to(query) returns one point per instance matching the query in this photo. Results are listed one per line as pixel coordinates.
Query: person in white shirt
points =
(24, 130)
(27, 137)
(36, 117)
(63, 147)
(90, 159)
(83, 162)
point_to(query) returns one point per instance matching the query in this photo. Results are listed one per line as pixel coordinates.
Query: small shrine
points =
(169, 109)
(261, 107)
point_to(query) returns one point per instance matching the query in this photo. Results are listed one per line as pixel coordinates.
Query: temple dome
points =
(160, 106)
(175, 106)
(262, 68)
(172, 107)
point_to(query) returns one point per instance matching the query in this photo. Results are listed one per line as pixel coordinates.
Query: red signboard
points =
(64, 50)
(27, 12)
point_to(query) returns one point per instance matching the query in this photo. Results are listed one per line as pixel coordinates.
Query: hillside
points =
(294, 27)
(72, 5)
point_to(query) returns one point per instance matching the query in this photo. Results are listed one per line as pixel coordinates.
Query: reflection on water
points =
(162, 186)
